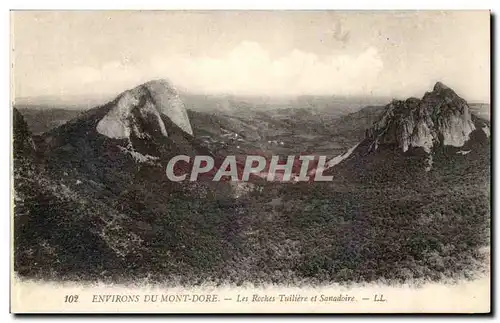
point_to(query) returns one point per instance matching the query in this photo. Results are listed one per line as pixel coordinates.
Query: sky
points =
(263, 53)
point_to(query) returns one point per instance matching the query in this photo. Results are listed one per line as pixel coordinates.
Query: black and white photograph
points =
(265, 152)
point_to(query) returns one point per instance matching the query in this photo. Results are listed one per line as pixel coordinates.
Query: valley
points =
(93, 202)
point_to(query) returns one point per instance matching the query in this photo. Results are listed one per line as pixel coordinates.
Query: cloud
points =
(247, 69)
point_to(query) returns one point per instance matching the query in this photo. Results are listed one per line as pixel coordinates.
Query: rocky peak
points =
(441, 117)
(140, 111)
(22, 139)
(439, 87)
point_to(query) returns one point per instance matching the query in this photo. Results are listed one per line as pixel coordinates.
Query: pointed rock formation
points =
(416, 135)
(441, 117)
(142, 108)
(22, 138)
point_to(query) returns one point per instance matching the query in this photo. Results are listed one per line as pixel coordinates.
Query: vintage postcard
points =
(250, 161)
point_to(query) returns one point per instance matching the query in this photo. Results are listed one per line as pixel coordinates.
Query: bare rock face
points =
(441, 117)
(139, 112)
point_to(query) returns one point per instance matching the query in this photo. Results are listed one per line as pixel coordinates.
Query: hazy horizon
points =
(92, 100)
(281, 54)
